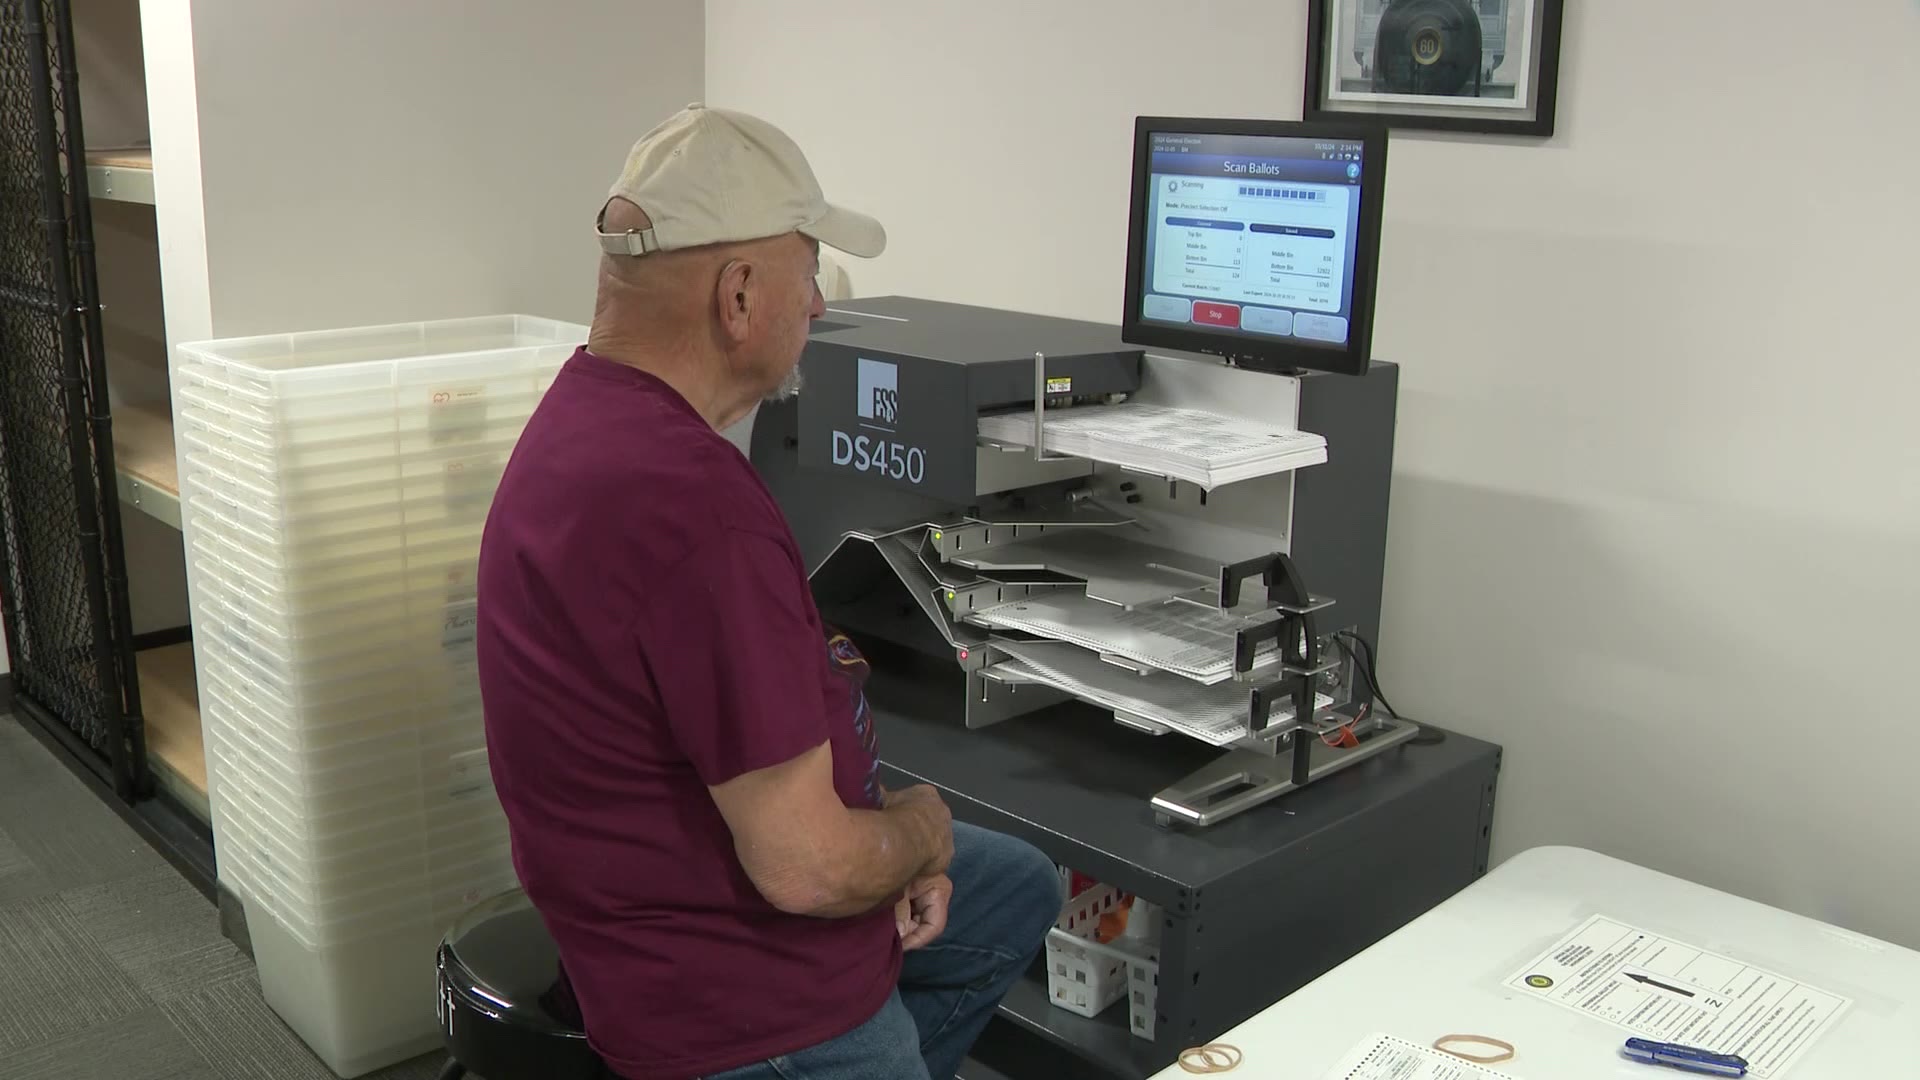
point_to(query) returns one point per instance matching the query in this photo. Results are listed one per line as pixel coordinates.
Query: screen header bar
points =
(1255, 169)
(1250, 145)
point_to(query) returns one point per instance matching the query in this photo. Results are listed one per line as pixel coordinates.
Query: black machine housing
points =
(1325, 525)
(894, 386)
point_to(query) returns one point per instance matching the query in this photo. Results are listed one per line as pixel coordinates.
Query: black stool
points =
(505, 1008)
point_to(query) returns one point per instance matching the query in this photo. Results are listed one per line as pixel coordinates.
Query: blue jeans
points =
(1006, 896)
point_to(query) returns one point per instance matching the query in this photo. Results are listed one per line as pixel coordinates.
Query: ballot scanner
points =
(1043, 513)
(1026, 580)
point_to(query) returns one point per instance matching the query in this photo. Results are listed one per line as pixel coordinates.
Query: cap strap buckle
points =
(631, 242)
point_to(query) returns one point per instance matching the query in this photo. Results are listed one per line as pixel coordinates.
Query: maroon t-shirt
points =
(645, 632)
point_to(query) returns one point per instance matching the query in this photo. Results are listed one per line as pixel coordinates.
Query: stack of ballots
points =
(1204, 448)
(334, 486)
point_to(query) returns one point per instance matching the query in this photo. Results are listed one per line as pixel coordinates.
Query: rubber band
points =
(1478, 1059)
(1211, 1058)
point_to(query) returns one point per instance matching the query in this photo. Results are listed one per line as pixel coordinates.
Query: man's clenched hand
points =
(922, 913)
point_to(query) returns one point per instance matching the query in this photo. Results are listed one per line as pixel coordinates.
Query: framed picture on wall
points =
(1488, 66)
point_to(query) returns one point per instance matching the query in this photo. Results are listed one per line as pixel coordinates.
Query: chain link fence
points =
(62, 559)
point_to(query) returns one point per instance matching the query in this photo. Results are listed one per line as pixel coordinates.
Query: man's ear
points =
(734, 298)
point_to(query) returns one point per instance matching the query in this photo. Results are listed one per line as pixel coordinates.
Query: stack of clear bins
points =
(334, 486)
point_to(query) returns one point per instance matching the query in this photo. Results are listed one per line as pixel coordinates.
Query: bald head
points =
(722, 323)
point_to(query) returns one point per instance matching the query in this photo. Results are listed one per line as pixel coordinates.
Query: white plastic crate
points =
(395, 760)
(288, 673)
(1082, 976)
(339, 538)
(327, 903)
(249, 580)
(365, 821)
(316, 705)
(277, 616)
(336, 914)
(310, 801)
(362, 1005)
(471, 413)
(1086, 977)
(297, 471)
(331, 891)
(298, 644)
(334, 486)
(314, 815)
(330, 372)
(1143, 972)
(346, 740)
(272, 570)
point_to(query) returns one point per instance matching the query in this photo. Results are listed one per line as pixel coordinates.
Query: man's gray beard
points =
(789, 387)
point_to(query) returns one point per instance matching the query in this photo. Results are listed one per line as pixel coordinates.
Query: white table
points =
(1443, 973)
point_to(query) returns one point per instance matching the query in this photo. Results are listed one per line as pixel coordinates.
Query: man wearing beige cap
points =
(684, 752)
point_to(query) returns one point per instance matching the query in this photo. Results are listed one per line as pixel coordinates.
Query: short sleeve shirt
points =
(645, 632)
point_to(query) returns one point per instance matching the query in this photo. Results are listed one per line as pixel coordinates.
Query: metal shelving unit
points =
(146, 473)
(120, 175)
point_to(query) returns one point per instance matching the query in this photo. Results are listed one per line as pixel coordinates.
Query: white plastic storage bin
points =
(334, 486)
(290, 377)
(1143, 970)
(361, 1006)
(1085, 976)
(1143, 991)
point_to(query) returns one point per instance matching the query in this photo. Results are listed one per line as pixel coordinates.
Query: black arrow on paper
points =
(1644, 980)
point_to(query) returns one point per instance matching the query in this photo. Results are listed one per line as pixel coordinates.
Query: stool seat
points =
(504, 1007)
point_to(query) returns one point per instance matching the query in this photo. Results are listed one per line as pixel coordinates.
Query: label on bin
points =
(461, 588)
(470, 482)
(456, 414)
(457, 627)
(463, 593)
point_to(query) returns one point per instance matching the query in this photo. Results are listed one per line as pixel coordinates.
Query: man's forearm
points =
(888, 849)
(808, 853)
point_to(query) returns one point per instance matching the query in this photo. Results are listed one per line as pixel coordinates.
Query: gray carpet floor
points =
(112, 967)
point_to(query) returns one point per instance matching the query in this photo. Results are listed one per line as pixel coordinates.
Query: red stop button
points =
(1214, 314)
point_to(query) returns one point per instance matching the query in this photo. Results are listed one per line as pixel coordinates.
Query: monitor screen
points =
(1255, 240)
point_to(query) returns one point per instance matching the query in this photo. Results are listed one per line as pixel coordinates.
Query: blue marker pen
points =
(1690, 1058)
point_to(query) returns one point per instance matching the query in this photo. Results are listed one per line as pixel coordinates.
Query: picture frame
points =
(1421, 64)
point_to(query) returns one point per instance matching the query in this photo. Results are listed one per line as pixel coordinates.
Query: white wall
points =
(365, 161)
(1657, 495)
(166, 28)
(113, 89)
(354, 162)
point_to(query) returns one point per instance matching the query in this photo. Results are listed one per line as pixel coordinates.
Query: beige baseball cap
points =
(713, 176)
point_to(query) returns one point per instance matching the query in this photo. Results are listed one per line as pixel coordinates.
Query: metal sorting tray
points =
(1216, 715)
(901, 553)
(1186, 639)
(1117, 569)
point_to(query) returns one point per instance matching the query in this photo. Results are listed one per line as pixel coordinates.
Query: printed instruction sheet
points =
(1384, 1057)
(1658, 988)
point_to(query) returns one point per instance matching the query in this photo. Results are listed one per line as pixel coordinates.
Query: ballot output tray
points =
(1051, 609)
(1152, 701)
(1182, 638)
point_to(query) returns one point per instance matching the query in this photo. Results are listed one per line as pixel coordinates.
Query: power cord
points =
(1365, 667)
(1428, 736)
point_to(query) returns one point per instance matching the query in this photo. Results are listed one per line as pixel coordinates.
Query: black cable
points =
(1371, 671)
(1365, 669)
(1368, 670)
